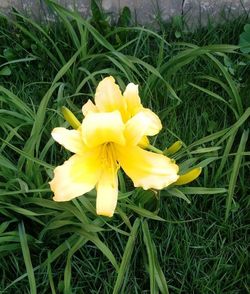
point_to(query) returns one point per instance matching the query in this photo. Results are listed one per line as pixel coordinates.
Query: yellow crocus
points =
(109, 138)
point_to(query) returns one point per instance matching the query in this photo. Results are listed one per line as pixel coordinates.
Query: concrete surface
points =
(202, 11)
(143, 11)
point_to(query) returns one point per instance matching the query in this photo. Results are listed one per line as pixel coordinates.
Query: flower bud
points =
(173, 148)
(188, 177)
(70, 118)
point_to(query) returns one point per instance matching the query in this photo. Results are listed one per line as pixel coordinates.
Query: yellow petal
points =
(107, 191)
(147, 169)
(144, 123)
(188, 177)
(70, 139)
(144, 142)
(100, 128)
(76, 176)
(89, 106)
(132, 99)
(108, 97)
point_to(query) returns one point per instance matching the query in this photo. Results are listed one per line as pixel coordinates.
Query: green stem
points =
(154, 149)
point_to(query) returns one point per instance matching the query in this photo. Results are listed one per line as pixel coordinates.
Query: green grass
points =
(198, 83)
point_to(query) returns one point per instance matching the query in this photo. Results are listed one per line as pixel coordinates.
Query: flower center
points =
(108, 159)
(109, 165)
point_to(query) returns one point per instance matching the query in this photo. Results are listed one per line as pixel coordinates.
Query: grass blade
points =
(202, 190)
(151, 256)
(157, 278)
(27, 259)
(67, 272)
(224, 158)
(126, 257)
(155, 271)
(235, 172)
(216, 96)
(144, 212)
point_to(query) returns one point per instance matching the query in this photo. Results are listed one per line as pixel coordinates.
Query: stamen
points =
(109, 164)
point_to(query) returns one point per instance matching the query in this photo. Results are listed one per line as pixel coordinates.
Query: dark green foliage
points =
(200, 89)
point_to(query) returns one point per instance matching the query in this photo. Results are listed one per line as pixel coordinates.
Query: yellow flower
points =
(108, 97)
(109, 138)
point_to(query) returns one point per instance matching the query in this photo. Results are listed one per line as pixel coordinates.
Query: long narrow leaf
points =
(126, 257)
(235, 172)
(27, 259)
(151, 256)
